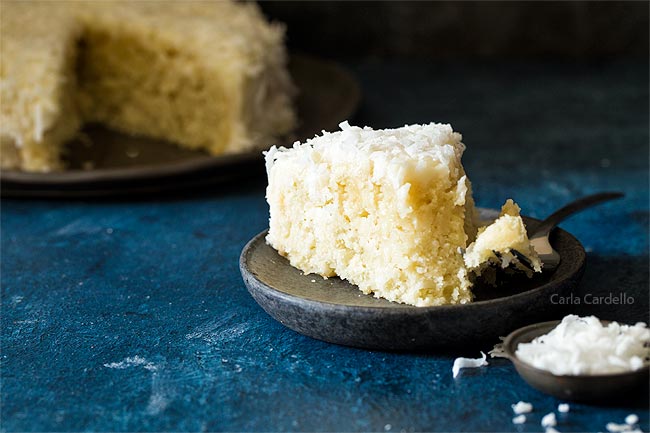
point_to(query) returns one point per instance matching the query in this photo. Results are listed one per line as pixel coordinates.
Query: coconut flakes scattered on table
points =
(615, 428)
(549, 420)
(563, 408)
(522, 407)
(468, 363)
(628, 427)
(582, 345)
(519, 419)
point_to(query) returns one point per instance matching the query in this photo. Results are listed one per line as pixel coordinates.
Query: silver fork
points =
(539, 239)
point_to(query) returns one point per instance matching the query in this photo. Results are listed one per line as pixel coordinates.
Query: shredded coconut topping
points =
(38, 123)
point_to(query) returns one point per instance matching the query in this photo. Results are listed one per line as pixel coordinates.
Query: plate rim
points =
(126, 174)
(86, 179)
(577, 267)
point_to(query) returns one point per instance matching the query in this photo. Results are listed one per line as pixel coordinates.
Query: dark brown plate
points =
(336, 311)
(107, 162)
(602, 388)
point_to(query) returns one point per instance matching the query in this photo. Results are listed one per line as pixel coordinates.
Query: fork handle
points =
(545, 227)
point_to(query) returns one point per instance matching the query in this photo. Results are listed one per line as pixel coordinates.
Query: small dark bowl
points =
(602, 388)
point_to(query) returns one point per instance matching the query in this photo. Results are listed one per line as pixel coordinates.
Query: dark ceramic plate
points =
(107, 162)
(602, 388)
(335, 311)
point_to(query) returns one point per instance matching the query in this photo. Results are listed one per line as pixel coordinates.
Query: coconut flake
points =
(616, 428)
(549, 420)
(583, 345)
(468, 363)
(563, 408)
(519, 419)
(522, 407)
(38, 123)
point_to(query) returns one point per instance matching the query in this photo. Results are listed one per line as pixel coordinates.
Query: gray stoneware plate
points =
(602, 388)
(107, 162)
(335, 311)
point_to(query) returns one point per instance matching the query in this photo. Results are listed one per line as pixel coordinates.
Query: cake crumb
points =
(563, 408)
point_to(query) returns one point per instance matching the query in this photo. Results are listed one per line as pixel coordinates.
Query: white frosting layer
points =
(393, 152)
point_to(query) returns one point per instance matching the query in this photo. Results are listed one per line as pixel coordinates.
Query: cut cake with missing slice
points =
(204, 75)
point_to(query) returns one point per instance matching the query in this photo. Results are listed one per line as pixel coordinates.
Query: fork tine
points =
(523, 259)
(498, 256)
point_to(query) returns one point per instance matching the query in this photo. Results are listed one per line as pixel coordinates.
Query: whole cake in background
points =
(388, 210)
(204, 75)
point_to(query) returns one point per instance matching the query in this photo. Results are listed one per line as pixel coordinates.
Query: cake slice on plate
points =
(390, 210)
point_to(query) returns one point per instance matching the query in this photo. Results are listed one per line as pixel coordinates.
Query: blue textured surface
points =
(132, 316)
